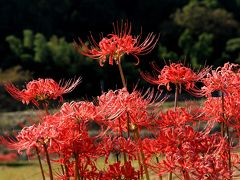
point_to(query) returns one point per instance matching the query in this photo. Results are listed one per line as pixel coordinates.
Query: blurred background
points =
(36, 39)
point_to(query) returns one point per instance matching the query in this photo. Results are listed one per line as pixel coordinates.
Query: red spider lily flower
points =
(130, 108)
(41, 90)
(8, 157)
(225, 79)
(35, 136)
(118, 171)
(27, 139)
(192, 154)
(177, 74)
(80, 111)
(213, 109)
(116, 145)
(115, 45)
(178, 117)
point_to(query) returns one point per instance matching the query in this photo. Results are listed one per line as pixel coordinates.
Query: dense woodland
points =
(37, 36)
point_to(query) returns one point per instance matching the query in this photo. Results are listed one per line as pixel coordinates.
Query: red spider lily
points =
(41, 90)
(225, 79)
(125, 146)
(118, 172)
(194, 155)
(80, 111)
(115, 45)
(72, 125)
(177, 74)
(213, 109)
(35, 136)
(178, 117)
(116, 145)
(86, 167)
(131, 109)
(8, 157)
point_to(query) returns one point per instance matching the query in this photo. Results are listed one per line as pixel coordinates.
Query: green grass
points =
(29, 170)
(20, 171)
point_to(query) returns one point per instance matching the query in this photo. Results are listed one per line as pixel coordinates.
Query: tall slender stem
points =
(142, 154)
(121, 74)
(48, 162)
(229, 150)
(40, 163)
(66, 171)
(175, 108)
(157, 159)
(176, 98)
(138, 157)
(121, 133)
(223, 128)
(223, 116)
(76, 173)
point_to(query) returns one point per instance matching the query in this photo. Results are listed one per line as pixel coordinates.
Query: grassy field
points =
(21, 170)
(29, 170)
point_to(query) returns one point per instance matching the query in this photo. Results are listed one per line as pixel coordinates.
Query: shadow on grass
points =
(17, 164)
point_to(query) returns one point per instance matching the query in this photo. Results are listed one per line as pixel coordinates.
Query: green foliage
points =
(202, 49)
(207, 27)
(15, 45)
(199, 18)
(37, 48)
(40, 48)
(28, 38)
(198, 50)
(165, 54)
(233, 47)
(186, 42)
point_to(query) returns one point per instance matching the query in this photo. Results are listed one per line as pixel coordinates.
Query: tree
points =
(233, 47)
(207, 24)
(198, 51)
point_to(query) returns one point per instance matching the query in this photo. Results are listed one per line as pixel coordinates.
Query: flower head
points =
(177, 74)
(41, 90)
(115, 45)
(120, 108)
(225, 79)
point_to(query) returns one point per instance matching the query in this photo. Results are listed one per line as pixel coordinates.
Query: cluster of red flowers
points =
(144, 140)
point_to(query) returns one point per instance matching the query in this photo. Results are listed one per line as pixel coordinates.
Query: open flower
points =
(177, 74)
(115, 45)
(120, 108)
(225, 79)
(41, 90)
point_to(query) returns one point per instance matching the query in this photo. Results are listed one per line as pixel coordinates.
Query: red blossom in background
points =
(8, 157)
(41, 90)
(177, 74)
(225, 79)
(171, 118)
(118, 172)
(115, 45)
